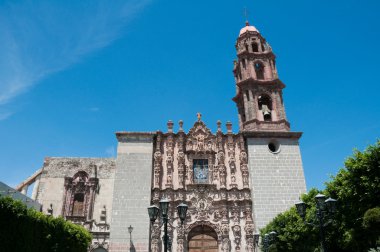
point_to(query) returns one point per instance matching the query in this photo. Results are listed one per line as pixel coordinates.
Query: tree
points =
(23, 229)
(356, 223)
(357, 187)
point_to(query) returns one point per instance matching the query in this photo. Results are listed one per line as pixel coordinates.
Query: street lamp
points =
(268, 238)
(256, 238)
(130, 229)
(324, 206)
(153, 212)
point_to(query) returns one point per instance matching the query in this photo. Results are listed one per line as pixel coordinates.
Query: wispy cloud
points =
(5, 115)
(94, 109)
(39, 38)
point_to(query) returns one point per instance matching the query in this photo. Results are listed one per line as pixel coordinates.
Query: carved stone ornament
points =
(200, 139)
(249, 228)
(155, 245)
(236, 230)
(250, 245)
(226, 245)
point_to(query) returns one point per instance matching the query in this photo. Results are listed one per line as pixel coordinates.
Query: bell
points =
(266, 110)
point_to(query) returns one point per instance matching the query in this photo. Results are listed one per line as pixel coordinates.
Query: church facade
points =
(233, 183)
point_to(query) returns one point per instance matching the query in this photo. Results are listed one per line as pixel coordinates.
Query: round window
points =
(274, 147)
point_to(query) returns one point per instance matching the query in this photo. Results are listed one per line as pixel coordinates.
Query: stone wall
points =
(277, 179)
(51, 187)
(132, 192)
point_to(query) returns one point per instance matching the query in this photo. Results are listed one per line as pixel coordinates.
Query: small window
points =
(246, 47)
(78, 205)
(247, 94)
(243, 62)
(200, 168)
(259, 69)
(255, 47)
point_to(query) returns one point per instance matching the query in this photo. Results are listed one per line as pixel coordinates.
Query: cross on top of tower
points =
(199, 116)
(246, 15)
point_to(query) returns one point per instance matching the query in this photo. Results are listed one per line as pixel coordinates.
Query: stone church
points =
(233, 183)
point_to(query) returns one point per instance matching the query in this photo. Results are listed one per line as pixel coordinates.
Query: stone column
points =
(248, 114)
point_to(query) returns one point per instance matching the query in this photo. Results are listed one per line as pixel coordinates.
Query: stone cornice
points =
(272, 134)
(249, 34)
(257, 55)
(123, 135)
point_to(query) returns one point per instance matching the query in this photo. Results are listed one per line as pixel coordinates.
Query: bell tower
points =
(258, 89)
(276, 175)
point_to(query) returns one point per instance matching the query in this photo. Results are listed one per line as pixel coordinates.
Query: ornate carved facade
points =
(217, 191)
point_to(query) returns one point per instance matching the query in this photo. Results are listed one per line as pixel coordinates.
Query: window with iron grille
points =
(200, 168)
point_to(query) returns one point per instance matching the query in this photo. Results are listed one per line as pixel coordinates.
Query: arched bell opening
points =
(265, 106)
(202, 239)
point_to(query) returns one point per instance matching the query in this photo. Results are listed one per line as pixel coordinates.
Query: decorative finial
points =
(219, 123)
(229, 127)
(180, 125)
(199, 115)
(170, 126)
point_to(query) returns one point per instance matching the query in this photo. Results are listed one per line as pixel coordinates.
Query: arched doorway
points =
(99, 249)
(203, 239)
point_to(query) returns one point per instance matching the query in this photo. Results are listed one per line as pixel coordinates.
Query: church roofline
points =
(146, 136)
(136, 133)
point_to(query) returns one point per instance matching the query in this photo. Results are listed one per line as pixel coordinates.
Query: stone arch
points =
(202, 238)
(81, 175)
(265, 105)
(215, 227)
(99, 249)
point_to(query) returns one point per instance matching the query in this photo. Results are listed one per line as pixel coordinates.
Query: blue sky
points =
(72, 73)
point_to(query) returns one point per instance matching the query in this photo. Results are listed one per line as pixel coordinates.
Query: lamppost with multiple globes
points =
(268, 238)
(325, 208)
(153, 212)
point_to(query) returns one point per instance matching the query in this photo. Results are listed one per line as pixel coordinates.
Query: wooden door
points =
(203, 243)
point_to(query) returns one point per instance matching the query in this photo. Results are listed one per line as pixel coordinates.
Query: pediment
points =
(200, 138)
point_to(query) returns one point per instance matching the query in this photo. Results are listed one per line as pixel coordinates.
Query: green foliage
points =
(292, 233)
(374, 249)
(357, 187)
(25, 229)
(356, 224)
(371, 219)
